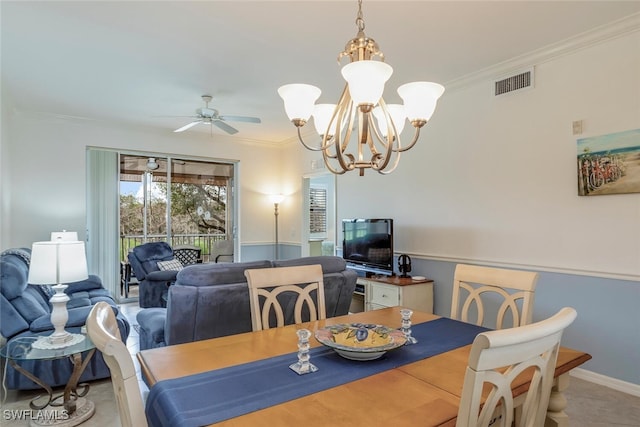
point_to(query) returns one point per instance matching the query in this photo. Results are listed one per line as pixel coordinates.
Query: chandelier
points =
(361, 101)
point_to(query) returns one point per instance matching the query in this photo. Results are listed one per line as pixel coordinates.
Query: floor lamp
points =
(276, 199)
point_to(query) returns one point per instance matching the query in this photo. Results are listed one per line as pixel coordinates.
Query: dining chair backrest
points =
(267, 286)
(513, 291)
(497, 358)
(103, 331)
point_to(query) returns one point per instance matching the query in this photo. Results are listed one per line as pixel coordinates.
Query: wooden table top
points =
(425, 393)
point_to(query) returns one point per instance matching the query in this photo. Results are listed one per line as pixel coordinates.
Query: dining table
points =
(245, 380)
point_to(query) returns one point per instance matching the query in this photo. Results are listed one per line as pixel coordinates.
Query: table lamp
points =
(57, 262)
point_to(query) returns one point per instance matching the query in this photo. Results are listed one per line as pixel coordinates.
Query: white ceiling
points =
(123, 61)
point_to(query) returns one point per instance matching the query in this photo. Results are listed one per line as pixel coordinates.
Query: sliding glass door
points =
(180, 201)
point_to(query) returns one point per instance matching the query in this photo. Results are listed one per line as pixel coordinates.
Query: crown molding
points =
(568, 46)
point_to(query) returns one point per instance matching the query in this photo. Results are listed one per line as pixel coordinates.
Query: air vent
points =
(516, 82)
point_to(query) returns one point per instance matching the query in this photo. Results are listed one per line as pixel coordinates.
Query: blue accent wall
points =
(608, 322)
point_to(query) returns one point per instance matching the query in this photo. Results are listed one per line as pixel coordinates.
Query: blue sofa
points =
(212, 300)
(25, 311)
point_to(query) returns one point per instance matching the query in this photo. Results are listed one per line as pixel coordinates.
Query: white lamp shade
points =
(64, 235)
(420, 99)
(322, 114)
(398, 116)
(57, 262)
(299, 99)
(366, 80)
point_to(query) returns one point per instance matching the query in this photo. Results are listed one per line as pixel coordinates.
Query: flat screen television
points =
(368, 244)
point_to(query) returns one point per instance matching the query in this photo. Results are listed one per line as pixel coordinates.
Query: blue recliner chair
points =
(25, 311)
(153, 281)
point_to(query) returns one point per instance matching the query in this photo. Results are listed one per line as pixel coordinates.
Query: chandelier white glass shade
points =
(376, 147)
(58, 262)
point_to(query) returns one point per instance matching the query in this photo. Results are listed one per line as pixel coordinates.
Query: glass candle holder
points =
(303, 366)
(406, 325)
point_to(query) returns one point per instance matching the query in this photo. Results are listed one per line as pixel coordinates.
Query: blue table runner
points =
(214, 396)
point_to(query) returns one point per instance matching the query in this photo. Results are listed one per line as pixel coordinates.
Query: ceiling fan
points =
(211, 116)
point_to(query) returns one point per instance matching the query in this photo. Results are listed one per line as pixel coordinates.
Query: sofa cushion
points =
(108, 300)
(11, 322)
(29, 305)
(100, 293)
(216, 274)
(170, 264)
(91, 283)
(78, 302)
(13, 278)
(45, 290)
(151, 321)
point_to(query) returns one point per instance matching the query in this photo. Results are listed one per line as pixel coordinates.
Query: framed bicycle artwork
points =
(609, 164)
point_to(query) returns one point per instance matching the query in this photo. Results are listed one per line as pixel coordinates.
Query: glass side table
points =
(76, 408)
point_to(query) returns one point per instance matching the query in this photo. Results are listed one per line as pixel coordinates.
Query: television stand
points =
(390, 291)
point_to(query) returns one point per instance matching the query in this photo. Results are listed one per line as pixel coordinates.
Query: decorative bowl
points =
(360, 341)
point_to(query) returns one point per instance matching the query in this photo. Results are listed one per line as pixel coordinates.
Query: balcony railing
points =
(204, 241)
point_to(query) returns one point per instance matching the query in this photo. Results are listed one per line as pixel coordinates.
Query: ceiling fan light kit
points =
(212, 117)
(361, 101)
(152, 164)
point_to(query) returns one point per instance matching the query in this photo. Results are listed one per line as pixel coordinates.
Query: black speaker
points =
(404, 265)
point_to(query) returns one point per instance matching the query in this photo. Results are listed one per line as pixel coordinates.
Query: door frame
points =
(332, 209)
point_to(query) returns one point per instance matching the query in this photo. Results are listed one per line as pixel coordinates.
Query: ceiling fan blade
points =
(164, 117)
(189, 126)
(225, 127)
(241, 119)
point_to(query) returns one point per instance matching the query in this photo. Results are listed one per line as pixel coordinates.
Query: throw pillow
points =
(171, 264)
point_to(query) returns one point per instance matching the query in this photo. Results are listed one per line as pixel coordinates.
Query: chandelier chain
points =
(360, 18)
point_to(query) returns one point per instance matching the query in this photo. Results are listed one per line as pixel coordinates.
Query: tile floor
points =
(589, 404)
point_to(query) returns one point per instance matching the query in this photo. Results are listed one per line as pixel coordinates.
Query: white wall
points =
(5, 178)
(494, 179)
(47, 172)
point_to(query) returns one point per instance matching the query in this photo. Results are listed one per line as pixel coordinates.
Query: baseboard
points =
(613, 383)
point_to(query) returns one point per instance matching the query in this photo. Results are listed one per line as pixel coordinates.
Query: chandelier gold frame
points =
(336, 124)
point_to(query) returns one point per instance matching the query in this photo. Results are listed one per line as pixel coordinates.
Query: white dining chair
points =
(103, 330)
(475, 288)
(497, 358)
(266, 285)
